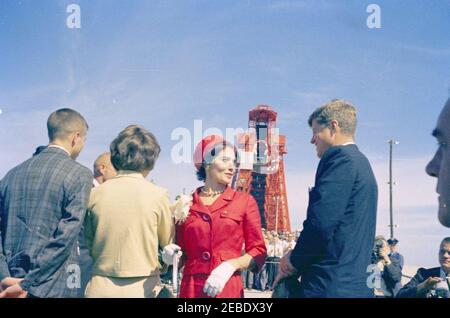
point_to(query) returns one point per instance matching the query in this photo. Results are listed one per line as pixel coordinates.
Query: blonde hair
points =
(340, 110)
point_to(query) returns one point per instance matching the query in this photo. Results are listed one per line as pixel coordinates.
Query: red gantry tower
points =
(261, 169)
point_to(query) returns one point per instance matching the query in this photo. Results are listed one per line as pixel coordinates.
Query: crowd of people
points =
(427, 283)
(277, 244)
(55, 214)
(388, 268)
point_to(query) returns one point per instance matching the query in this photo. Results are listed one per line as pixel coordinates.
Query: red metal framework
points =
(261, 172)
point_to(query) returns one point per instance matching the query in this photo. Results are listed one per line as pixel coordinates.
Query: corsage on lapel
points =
(180, 208)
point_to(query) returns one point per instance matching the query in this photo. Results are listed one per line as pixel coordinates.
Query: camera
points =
(376, 251)
(441, 290)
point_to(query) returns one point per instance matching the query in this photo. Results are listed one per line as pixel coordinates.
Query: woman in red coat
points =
(222, 234)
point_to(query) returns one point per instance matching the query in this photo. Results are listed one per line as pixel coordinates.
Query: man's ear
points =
(334, 126)
(102, 169)
(75, 135)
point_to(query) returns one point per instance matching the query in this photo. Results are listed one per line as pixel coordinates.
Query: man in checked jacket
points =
(42, 207)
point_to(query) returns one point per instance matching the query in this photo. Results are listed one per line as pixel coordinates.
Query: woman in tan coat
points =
(128, 219)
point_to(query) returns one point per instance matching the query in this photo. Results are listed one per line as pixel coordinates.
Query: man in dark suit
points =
(42, 206)
(426, 280)
(334, 249)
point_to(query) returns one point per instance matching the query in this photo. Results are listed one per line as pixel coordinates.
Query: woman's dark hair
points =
(201, 173)
(134, 149)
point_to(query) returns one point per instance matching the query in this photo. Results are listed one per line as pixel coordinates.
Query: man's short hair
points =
(446, 240)
(340, 110)
(134, 149)
(64, 122)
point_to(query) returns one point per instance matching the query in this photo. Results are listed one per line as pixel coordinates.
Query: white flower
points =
(180, 208)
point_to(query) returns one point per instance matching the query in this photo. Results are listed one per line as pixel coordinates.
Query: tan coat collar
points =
(129, 173)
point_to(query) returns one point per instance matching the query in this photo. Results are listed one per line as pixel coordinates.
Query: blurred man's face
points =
(439, 166)
(444, 257)
(322, 138)
(107, 169)
(393, 248)
(110, 172)
(103, 168)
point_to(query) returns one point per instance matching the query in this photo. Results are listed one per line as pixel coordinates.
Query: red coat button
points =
(206, 256)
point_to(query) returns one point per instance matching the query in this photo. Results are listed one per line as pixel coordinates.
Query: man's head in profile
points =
(332, 124)
(103, 168)
(439, 166)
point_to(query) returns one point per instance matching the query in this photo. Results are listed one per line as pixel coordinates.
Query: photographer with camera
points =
(431, 282)
(394, 254)
(389, 269)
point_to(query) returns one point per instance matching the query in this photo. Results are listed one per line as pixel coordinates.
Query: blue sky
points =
(164, 64)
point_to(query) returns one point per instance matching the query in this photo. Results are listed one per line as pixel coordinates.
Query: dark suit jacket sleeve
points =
(58, 249)
(327, 205)
(393, 271)
(410, 289)
(401, 260)
(4, 270)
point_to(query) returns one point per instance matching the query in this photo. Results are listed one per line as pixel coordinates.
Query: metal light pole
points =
(391, 183)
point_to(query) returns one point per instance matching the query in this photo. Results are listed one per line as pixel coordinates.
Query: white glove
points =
(218, 278)
(168, 253)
